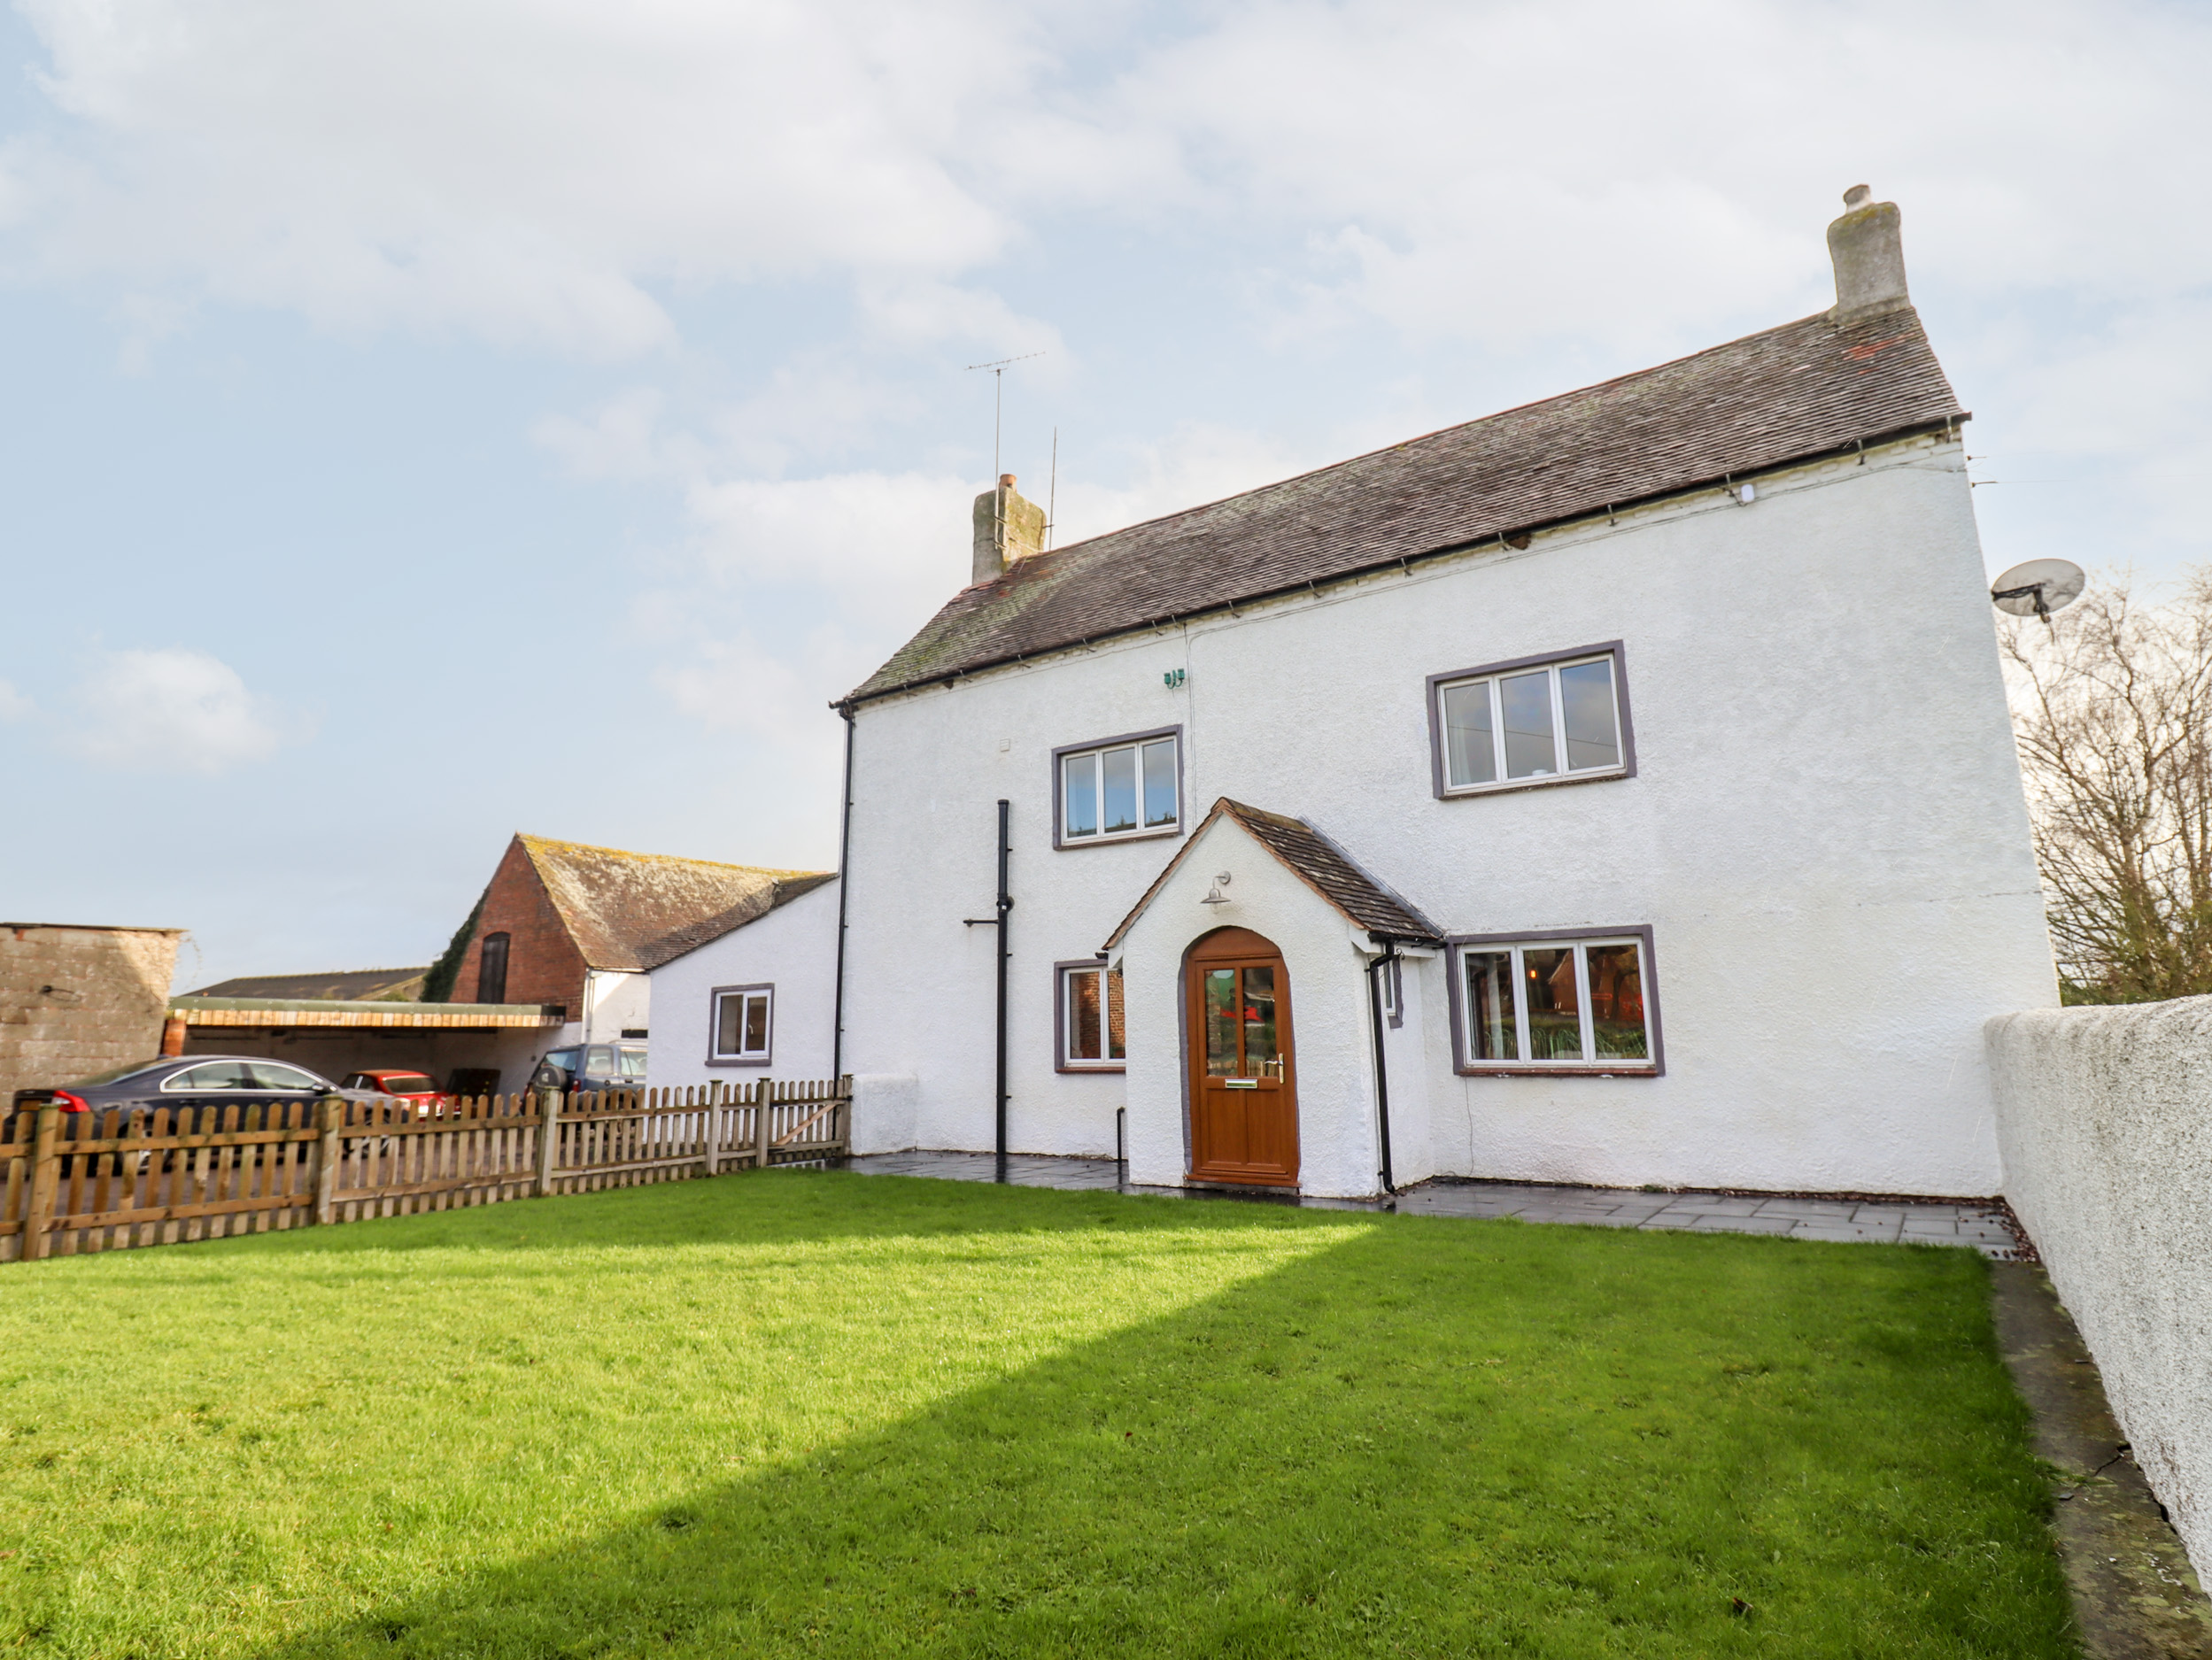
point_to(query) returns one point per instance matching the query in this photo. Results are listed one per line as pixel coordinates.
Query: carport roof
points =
(318, 1011)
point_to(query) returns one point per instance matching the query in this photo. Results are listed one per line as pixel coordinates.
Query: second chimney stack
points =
(1868, 245)
(1008, 528)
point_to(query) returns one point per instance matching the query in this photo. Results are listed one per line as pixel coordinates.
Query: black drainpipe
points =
(1382, 1071)
(1005, 903)
(844, 860)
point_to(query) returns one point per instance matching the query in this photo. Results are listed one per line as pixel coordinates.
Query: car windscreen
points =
(405, 1083)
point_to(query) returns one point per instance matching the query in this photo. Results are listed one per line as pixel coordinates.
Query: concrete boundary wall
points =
(2104, 1122)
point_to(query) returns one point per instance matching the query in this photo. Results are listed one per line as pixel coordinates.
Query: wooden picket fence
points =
(74, 1183)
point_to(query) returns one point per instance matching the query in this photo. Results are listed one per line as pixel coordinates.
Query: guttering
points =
(1382, 1066)
(1948, 426)
(844, 860)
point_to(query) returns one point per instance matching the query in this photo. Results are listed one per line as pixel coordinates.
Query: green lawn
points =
(812, 1414)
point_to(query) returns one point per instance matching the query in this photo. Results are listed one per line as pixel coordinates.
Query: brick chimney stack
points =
(1008, 528)
(1868, 245)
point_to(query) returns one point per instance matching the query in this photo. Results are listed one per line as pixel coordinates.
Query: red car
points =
(407, 1086)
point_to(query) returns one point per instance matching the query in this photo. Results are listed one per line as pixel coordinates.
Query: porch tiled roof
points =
(1317, 860)
(1807, 388)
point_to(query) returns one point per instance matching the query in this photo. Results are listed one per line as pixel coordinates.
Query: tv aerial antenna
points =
(998, 400)
(2038, 588)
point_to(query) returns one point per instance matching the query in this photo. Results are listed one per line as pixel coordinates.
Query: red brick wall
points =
(542, 963)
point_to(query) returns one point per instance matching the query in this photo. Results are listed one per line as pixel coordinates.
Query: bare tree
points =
(2112, 708)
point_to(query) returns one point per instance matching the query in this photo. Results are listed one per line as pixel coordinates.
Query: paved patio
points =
(1984, 1228)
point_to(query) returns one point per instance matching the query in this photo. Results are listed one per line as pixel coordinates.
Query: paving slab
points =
(1796, 1215)
(2135, 1596)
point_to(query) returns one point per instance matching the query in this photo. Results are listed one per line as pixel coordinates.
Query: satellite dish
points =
(2038, 588)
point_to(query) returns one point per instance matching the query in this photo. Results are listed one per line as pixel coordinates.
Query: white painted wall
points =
(2105, 1119)
(793, 948)
(1826, 833)
(614, 1002)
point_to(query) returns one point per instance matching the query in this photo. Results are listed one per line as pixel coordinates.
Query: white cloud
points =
(173, 710)
(524, 170)
(13, 705)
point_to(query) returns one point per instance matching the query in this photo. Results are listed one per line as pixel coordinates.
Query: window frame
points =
(1061, 1060)
(1061, 841)
(1436, 684)
(715, 995)
(505, 941)
(1457, 945)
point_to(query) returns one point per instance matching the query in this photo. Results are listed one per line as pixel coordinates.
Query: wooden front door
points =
(1243, 1081)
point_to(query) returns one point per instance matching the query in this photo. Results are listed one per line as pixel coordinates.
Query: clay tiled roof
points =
(1320, 862)
(635, 911)
(1807, 388)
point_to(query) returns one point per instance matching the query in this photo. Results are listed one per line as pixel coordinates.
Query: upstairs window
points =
(741, 1028)
(1124, 788)
(491, 969)
(1556, 1003)
(1540, 721)
(1093, 1029)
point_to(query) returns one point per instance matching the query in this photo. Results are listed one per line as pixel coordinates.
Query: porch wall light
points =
(1214, 895)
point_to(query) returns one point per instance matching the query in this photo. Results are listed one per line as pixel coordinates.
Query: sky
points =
(433, 419)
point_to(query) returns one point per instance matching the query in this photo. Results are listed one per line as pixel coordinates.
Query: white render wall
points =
(614, 1002)
(793, 948)
(2105, 1119)
(1826, 833)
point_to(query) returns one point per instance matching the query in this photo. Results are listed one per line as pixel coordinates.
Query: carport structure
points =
(473, 1048)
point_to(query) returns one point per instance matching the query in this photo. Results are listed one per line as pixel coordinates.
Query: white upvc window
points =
(1528, 724)
(742, 1027)
(1127, 787)
(1557, 1002)
(1092, 1029)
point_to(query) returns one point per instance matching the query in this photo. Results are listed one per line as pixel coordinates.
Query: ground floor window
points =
(742, 1025)
(1091, 1023)
(1555, 1002)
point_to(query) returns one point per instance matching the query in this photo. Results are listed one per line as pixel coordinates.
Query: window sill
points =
(1467, 791)
(1066, 846)
(1112, 1067)
(1577, 1069)
(719, 1061)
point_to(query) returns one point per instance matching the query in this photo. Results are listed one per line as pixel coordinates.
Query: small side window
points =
(742, 1021)
(1092, 1025)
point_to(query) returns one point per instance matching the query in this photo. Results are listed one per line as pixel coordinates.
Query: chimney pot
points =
(1867, 246)
(1006, 480)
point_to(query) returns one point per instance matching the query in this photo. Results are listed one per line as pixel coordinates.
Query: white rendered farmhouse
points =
(1616, 790)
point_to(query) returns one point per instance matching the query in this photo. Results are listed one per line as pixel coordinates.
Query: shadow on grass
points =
(1437, 1437)
(796, 1206)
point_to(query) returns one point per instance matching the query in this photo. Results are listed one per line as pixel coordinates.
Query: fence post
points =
(331, 1118)
(45, 1175)
(548, 1139)
(764, 1092)
(710, 1122)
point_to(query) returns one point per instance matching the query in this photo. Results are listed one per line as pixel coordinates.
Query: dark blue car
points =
(198, 1081)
